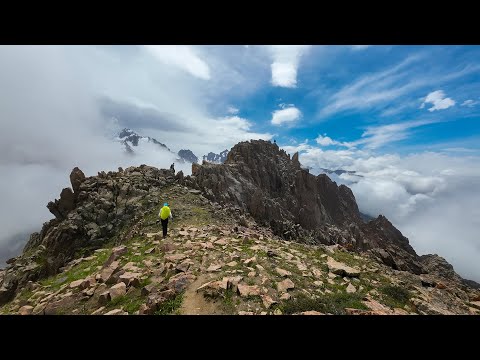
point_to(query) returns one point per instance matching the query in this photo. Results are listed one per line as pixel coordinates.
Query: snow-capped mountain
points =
(131, 139)
(134, 143)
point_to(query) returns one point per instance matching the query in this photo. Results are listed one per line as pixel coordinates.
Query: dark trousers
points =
(164, 226)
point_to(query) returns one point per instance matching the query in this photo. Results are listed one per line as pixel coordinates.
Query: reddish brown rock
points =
(118, 290)
(282, 272)
(267, 301)
(26, 310)
(116, 312)
(246, 290)
(285, 285)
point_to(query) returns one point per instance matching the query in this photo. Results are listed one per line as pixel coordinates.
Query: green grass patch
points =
(330, 303)
(228, 302)
(394, 296)
(171, 306)
(129, 303)
(246, 250)
(346, 258)
(79, 271)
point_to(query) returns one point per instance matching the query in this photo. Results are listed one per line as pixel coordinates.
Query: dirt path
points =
(195, 304)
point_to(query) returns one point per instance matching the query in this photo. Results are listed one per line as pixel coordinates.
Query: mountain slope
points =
(242, 241)
(210, 264)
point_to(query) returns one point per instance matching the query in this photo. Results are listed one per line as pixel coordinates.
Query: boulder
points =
(341, 269)
(118, 290)
(26, 310)
(282, 272)
(246, 290)
(285, 285)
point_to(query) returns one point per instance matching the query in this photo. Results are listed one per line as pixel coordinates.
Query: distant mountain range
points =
(340, 172)
(216, 158)
(130, 139)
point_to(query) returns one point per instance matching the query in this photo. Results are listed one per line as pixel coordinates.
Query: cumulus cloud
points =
(286, 116)
(181, 56)
(439, 101)
(431, 197)
(470, 103)
(286, 59)
(292, 149)
(325, 141)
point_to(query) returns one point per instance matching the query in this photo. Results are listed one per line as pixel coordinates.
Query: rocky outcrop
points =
(388, 245)
(261, 179)
(85, 218)
(77, 177)
(440, 267)
(188, 156)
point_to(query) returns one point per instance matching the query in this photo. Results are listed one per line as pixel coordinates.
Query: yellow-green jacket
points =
(165, 213)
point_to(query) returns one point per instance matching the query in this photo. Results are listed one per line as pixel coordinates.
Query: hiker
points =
(164, 214)
(172, 168)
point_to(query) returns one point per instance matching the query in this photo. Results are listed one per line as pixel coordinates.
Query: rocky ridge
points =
(245, 240)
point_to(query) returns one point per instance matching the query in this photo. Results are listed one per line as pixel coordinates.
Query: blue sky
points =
(342, 92)
(405, 118)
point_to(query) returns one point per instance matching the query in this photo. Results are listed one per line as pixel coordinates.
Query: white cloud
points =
(470, 103)
(297, 148)
(181, 56)
(372, 89)
(325, 141)
(285, 63)
(375, 89)
(438, 100)
(286, 116)
(233, 110)
(360, 47)
(377, 136)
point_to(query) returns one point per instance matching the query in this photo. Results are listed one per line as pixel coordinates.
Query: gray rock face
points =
(216, 158)
(77, 177)
(188, 155)
(438, 266)
(265, 182)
